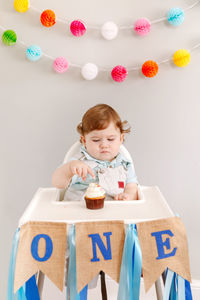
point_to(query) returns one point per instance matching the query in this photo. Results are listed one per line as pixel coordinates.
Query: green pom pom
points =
(9, 37)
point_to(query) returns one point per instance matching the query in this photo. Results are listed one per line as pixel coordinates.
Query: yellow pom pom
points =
(181, 58)
(21, 5)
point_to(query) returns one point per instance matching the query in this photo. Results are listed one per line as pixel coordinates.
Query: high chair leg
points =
(40, 283)
(158, 289)
(103, 286)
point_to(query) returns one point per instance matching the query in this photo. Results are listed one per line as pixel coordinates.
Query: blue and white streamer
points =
(72, 275)
(131, 266)
(176, 287)
(29, 291)
(20, 294)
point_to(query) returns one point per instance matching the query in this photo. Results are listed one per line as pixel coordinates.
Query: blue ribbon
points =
(131, 266)
(31, 289)
(188, 292)
(72, 277)
(83, 293)
(175, 287)
(20, 294)
(173, 295)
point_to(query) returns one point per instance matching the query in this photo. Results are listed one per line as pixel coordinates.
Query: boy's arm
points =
(62, 176)
(132, 190)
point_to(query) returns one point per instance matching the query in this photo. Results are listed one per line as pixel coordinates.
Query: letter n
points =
(97, 241)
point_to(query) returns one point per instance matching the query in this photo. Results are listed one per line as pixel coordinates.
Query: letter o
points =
(34, 247)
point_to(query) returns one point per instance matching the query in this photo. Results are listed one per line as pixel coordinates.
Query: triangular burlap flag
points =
(91, 238)
(163, 244)
(41, 247)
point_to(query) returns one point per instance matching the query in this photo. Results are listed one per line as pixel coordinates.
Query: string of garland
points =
(89, 71)
(109, 30)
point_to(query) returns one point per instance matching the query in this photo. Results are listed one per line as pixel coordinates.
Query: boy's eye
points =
(110, 140)
(96, 141)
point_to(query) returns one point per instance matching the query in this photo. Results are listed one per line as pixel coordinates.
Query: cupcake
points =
(94, 196)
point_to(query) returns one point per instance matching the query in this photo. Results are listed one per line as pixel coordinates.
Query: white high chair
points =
(47, 205)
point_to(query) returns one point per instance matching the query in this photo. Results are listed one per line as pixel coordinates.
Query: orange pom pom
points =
(48, 18)
(150, 68)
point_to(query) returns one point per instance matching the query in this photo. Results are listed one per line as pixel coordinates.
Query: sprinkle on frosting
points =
(94, 190)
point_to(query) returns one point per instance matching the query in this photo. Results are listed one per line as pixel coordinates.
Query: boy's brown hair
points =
(99, 117)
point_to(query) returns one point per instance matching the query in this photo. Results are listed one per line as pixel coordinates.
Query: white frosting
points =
(94, 191)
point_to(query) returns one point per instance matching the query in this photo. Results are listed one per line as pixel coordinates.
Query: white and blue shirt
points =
(98, 166)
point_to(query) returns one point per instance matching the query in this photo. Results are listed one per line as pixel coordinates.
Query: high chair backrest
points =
(75, 149)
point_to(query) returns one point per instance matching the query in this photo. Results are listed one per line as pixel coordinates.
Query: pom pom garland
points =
(150, 68)
(77, 28)
(21, 5)
(175, 16)
(48, 18)
(119, 73)
(142, 26)
(33, 53)
(60, 64)
(89, 71)
(9, 37)
(181, 58)
(109, 31)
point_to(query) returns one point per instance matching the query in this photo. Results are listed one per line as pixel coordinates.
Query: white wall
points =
(40, 109)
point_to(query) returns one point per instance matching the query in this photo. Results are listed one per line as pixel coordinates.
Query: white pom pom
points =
(109, 30)
(89, 71)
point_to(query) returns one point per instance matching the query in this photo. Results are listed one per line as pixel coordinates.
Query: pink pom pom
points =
(142, 26)
(60, 64)
(119, 73)
(77, 28)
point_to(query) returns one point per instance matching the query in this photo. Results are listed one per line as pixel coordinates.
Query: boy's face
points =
(103, 144)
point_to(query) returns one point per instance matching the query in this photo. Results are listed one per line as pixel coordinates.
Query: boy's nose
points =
(103, 144)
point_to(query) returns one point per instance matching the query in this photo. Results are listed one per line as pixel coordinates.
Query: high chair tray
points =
(44, 207)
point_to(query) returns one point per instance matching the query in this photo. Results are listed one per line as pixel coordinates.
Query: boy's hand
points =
(130, 192)
(123, 196)
(81, 169)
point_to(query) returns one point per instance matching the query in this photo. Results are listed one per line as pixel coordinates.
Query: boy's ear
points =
(122, 138)
(82, 138)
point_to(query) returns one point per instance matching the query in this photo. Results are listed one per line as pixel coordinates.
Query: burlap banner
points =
(99, 246)
(163, 244)
(41, 247)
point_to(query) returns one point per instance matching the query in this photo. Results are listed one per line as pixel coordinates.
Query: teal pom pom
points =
(33, 53)
(175, 16)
